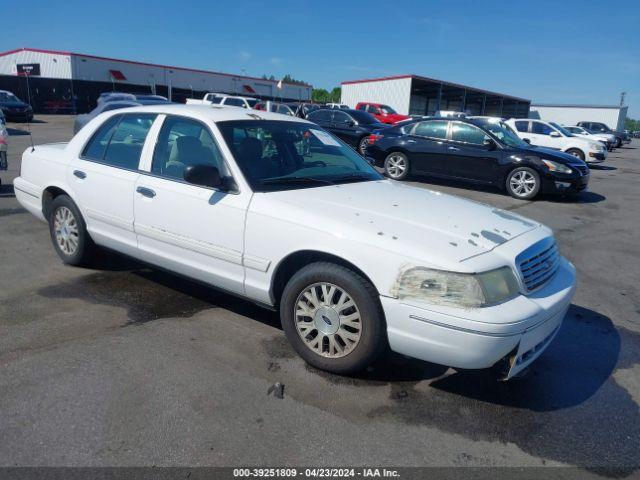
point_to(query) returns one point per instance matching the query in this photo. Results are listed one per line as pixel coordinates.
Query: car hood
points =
(556, 155)
(422, 224)
(13, 105)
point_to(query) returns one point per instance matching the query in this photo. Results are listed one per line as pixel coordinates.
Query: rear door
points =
(426, 143)
(468, 157)
(190, 229)
(104, 178)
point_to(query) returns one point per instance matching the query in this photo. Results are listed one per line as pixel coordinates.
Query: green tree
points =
(632, 125)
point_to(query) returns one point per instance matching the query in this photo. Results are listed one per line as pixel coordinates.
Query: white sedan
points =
(276, 210)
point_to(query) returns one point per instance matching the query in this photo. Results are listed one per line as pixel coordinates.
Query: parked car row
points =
(485, 151)
(355, 263)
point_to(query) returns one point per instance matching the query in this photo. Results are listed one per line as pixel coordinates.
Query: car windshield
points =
(563, 130)
(387, 109)
(282, 155)
(252, 102)
(504, 133)
(8, 97)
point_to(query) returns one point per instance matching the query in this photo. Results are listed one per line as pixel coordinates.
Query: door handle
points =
(80, 174)
(146, 192)
(453, 149)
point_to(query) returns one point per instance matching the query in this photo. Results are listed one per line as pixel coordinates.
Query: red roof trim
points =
(365, 80)
(132, 62)
(117, 75)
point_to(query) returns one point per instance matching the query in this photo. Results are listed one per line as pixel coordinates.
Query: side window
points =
(340, 117)
(463, 132)
(234, 102)
(373, 109)
(183, 142)
(541, 128)
(522, 125)
(97, 146)
(320, 116)
(362, 107)
(127, 141)
(431, 129)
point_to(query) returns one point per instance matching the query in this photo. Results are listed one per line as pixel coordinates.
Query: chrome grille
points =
(538, 263)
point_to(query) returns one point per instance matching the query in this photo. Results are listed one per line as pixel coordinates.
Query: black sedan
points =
(352, 126)
(483, 150)
(14, 108)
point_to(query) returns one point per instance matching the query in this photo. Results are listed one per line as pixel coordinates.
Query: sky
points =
(563, 51)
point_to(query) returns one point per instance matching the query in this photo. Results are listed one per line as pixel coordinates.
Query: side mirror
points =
(527, 140)
(350, 123)
(203, 175)
(554, 134)
(489, 143)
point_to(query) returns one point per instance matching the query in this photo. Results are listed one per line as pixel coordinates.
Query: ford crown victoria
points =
(276, 210)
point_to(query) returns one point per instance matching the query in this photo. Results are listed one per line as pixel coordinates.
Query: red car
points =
(384, 113)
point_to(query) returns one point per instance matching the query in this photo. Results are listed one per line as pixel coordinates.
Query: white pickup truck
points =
(278, 211)
(223, 99)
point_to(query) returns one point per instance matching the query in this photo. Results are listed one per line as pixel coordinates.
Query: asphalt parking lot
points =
(125, 365)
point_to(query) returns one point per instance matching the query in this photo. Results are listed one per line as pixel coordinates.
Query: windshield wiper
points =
(290, 180)
(352, 177)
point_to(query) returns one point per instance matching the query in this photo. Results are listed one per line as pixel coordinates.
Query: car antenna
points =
(33, 148)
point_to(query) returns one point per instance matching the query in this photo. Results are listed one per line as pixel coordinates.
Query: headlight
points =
(556, 167)
(596, 146)
(469, 290)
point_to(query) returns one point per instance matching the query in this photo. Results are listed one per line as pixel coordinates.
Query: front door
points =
(541, 135)
(190, 229)
(343, 126)
(468, 157)
(104, 178)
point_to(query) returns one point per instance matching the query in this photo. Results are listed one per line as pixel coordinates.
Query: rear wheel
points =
(332, 317)
(362, 145)
(523, 183)
(576, 153)
(618, 142)
(69, 232)
(396, 166)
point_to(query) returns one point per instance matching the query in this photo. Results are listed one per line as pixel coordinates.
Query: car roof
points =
(214, 113)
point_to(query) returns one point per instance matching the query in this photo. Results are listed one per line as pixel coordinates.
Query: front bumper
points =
(560, 184)
(472, 338)
(595, 157)
(12, 115)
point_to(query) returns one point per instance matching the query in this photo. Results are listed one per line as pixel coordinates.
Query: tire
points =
(618, 142)
(362, 145)
(321, 334)
(396, 166)
(519, 184)
(576, 153)
(69, 233)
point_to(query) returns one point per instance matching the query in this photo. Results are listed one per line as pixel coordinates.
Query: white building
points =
(611, 115)
(418, 95)
(59, 81)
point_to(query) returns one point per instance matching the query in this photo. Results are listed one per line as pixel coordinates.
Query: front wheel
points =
(523, 183)
(576, 153)
(332, 317)
(618, 142)
(396, 166)
(69, 232)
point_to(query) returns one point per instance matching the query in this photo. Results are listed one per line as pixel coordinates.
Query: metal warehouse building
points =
(55, 81)
(416, 95)
(611, 115)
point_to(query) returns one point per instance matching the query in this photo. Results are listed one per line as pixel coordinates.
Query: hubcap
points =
(396, 165)
(328, 320)
(522, 183)
(575, 154)
(65, 229)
